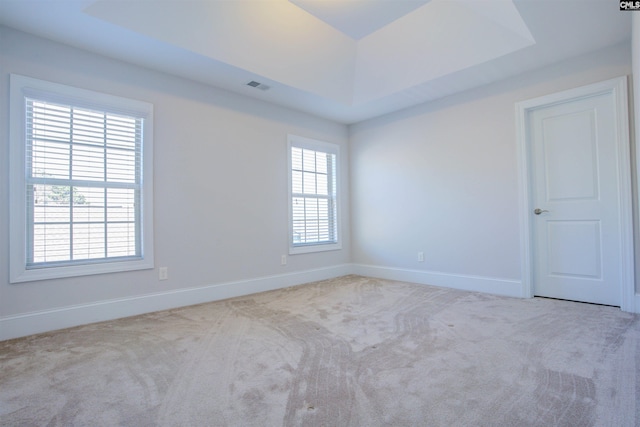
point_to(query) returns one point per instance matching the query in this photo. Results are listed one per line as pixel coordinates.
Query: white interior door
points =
(575, 203)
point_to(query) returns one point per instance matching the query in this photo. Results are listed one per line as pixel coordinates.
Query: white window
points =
(81, 182)
(313, 195)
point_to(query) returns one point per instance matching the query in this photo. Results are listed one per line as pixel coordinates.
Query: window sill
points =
(47, 273)
(293, 250)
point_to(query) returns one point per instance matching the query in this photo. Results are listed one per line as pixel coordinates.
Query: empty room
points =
(319, 213)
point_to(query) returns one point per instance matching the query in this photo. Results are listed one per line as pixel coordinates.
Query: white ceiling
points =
(345, 60)
(358, 18)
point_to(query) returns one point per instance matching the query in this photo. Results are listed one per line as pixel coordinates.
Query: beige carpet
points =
(351, 351)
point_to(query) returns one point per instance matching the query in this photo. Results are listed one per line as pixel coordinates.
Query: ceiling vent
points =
(258, 85)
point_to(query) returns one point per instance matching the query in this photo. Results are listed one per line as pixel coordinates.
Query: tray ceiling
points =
(343, 60)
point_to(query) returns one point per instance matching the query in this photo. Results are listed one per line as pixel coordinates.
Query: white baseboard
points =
(66, 317)
(504, 287)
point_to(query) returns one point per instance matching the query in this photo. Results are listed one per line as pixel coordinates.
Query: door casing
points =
(617, 87)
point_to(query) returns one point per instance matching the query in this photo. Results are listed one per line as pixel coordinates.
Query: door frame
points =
(617, 87)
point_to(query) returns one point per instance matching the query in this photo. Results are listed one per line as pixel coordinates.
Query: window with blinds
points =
(83, 184)
(313, 195)
(80, 180)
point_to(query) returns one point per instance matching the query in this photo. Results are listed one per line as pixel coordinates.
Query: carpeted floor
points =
(351, 351)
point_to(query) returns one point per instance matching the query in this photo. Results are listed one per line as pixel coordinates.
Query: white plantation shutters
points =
(83, 183)
(313, 195)
(81, 187)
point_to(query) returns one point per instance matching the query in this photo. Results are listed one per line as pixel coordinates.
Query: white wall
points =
(220, 194)
(442, 178)
(634, 121)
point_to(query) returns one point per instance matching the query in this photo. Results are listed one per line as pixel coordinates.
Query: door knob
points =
(538, 211)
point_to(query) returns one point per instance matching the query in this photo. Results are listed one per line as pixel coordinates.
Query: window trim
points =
(312, 144)
(22, 87)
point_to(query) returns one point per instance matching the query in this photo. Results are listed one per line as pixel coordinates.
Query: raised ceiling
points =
(358, 18)
(345, 60)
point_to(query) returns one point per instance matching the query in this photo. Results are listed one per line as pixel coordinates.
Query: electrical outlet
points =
(420, 256)
(283, 260)
(163, 273)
